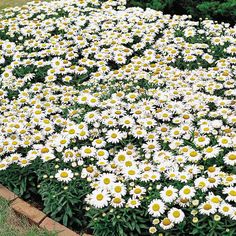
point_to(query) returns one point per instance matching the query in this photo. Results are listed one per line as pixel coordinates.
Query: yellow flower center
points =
(193, 154)
(202, 184)
(176, 214)
(128, 163)
(87, 150)
(117, 200)
(169, 193)
(232, 193)
(133, 202)
(186, 117)
(156, 207)
(99, 197)
(211, 169)
(166, 222)
(212, 180)
(121, 158)
(215, 200)
(225, 209)
(209, 149)
(82, 133)
(163, 129)
(151, 146)
(183, 200)
(224, 141)
(106, 181)
(137, 191)
(89, 169)
(201, 139)
(207, 206)
(101, 153)
(131, 172)
(232, 157)
(2, 166)
(114, 135)
(186, 191)
(71, 131)
(229, 178)
(118, 189)
(64, 174)
(147, 168)
(63, 141)
(44, 150)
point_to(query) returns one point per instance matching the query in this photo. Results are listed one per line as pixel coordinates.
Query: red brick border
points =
(52, 225)
(6, 194)
(34, 215)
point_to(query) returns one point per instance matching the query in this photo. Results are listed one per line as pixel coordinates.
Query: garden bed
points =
(119, 121)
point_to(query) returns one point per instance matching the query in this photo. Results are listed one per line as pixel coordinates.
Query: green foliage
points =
(121, 221)
(24, 183)
(65, 206)
(216, 10)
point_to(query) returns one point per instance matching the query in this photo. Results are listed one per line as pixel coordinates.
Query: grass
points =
(12, 3)
(14, 225)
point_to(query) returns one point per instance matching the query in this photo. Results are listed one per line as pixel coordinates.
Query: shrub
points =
(216, 10)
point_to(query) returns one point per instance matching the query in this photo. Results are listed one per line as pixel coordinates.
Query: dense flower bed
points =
(122, 120)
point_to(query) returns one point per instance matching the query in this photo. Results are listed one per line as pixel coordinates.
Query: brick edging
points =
(34, 215)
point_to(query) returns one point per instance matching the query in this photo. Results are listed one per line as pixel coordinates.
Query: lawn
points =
(12, 3)
(14, 225)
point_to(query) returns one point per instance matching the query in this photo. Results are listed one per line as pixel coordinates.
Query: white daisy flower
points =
(214, 199)
(231, 192)
(207, 208)
(201, 183)
(87, 151)
(106, 180)
(114, 136)
(230, 158)
(102, 154)
(151, 146)
(137, 191)
(117, 202)
(166, 224)
(225, 141)
(23, 162)
(156, 208)
(127, 121)
(64, 175)
(3, 165)
(133, 203)
(187, 192)
(99, 198)
(169, 194)
(225, 208)
(202, 141)
(131, 173)
(99, 143)
(118, 189)
(176, 215)
(211, 151)
(139, 132)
